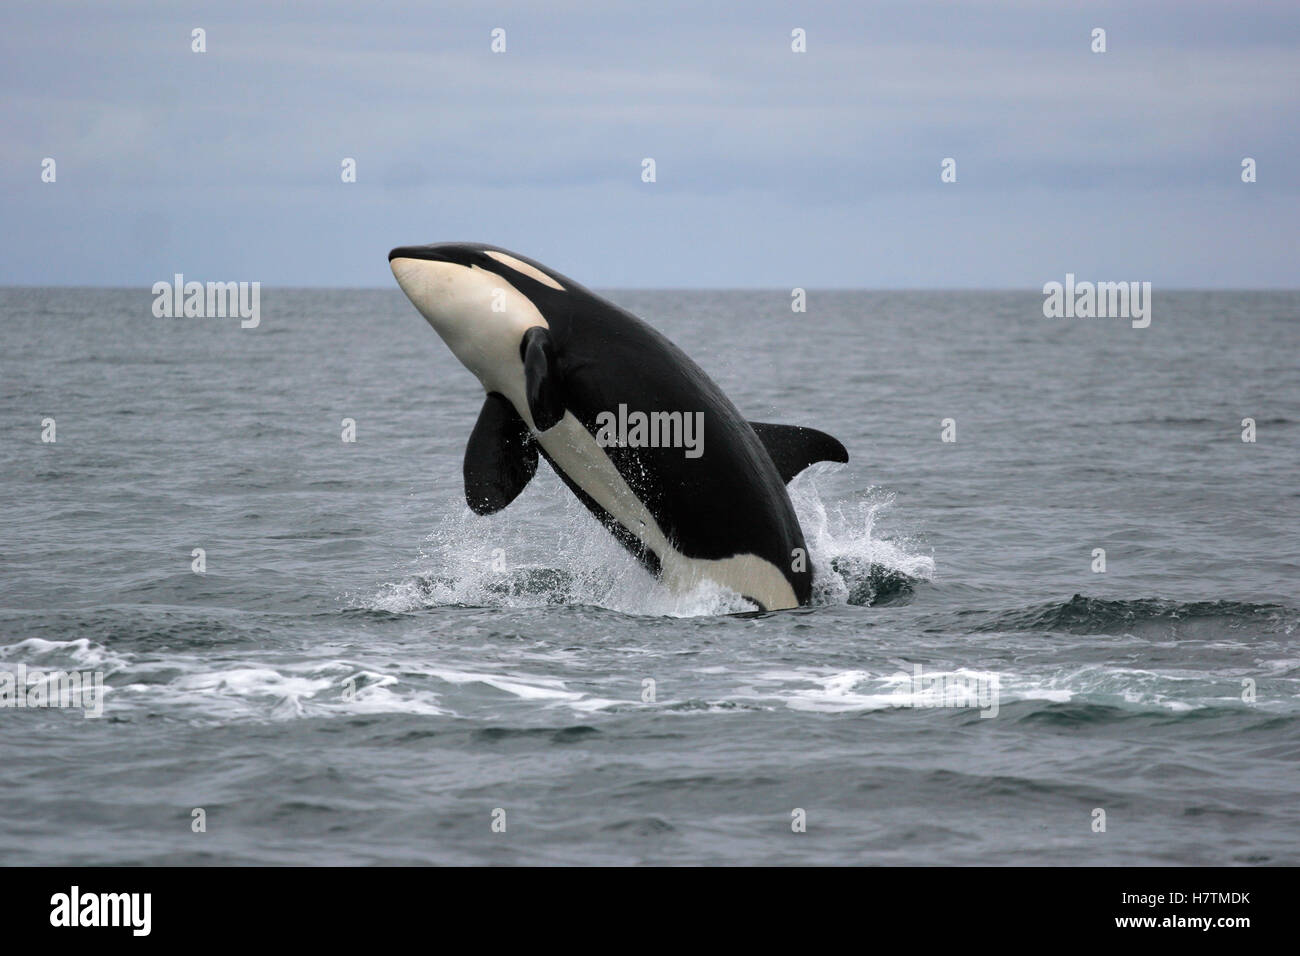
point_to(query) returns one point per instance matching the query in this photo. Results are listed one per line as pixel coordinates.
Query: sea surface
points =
(367, 673)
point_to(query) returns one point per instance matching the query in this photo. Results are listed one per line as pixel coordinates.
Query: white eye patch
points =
(524, 268)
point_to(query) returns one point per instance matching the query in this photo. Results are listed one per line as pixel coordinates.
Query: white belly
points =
(576, 451)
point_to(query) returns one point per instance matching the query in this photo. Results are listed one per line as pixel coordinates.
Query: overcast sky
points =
(774, 169)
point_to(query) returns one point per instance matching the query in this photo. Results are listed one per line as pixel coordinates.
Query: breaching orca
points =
(560, 366)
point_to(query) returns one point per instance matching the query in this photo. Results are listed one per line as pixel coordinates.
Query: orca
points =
(558, 364)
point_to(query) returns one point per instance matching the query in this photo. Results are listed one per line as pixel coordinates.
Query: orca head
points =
(479, 299)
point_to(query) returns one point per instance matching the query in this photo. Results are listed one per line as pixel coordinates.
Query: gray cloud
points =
(774, 168)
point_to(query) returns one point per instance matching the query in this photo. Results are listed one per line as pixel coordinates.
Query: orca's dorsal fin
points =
(793, 447)
(541, 378)
(500, 458)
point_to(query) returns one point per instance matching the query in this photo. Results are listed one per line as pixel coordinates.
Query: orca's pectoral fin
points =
(793, 448)
(500, 458)
(541, 378)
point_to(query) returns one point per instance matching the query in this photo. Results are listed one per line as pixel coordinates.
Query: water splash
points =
(561, 556)
(852, 562)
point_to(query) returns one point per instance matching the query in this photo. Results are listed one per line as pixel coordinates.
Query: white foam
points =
(270, 690)
(526, 688)
(79, 654)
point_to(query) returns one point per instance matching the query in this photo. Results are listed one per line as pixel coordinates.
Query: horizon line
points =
(689, 288)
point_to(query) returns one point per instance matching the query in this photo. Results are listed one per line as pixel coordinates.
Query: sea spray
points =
(852, 564)
(558, 555)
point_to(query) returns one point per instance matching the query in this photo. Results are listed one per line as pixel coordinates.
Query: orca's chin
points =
(404, 268)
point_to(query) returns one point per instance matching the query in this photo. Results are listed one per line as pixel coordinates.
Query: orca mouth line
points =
(430, 253)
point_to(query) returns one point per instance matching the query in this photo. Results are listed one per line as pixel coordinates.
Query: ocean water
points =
(368, 673)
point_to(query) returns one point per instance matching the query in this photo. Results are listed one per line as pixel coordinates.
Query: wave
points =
(256, 685)
(1218, 423)
(77, 654)
(1086, 615)
(273, 684)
